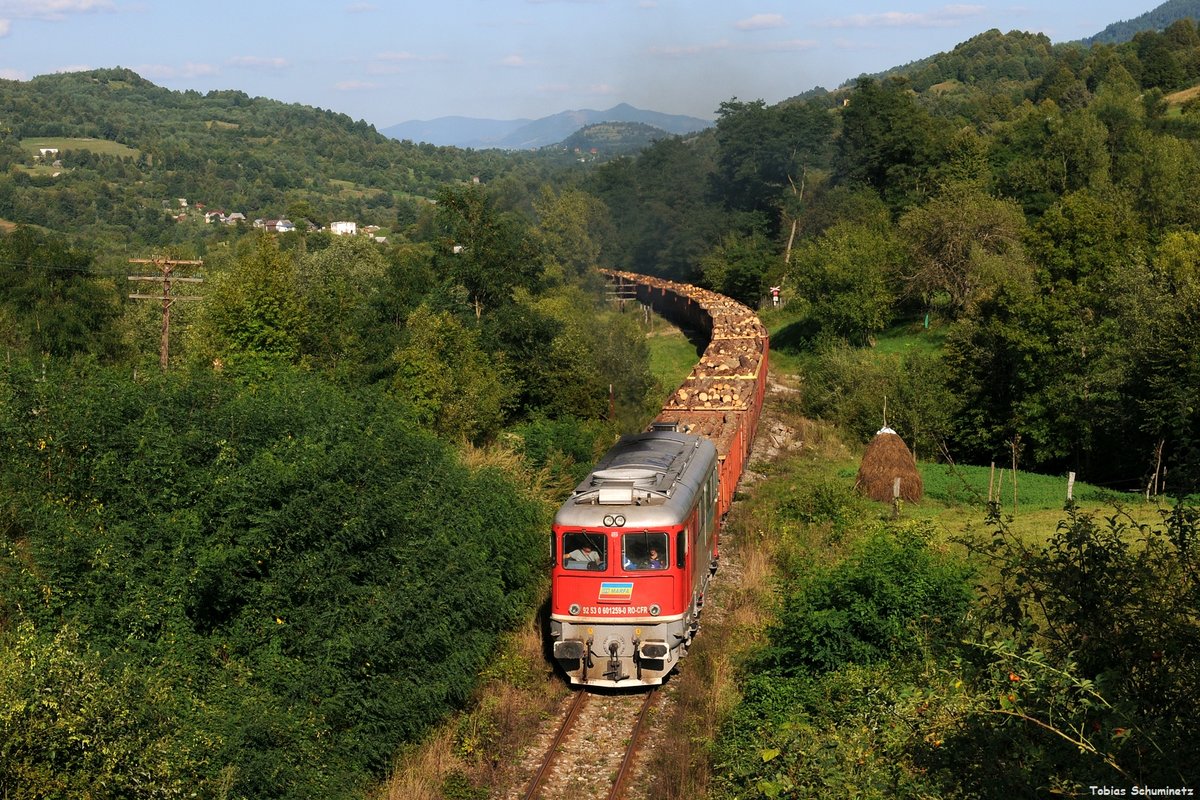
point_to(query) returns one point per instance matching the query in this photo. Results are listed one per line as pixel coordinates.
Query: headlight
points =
(655, 610)
(574, 609)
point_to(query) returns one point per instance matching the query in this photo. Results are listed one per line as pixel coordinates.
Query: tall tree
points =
(739, 267)
(841, 280)
(444, 374)
(888, 142)
(572, 223)
(486, 252)
(764, 151)
(254, 309)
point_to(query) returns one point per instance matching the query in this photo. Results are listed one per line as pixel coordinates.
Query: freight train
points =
(635, 544)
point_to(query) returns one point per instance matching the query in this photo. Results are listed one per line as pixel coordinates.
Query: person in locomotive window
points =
(644, 551)
(583, 557)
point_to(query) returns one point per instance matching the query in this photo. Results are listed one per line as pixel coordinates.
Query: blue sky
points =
(388, 62)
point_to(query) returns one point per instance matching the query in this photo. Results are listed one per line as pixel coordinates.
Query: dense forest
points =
(261, 571)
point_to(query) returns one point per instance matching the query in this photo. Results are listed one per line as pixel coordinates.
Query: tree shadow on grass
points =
(795, 338)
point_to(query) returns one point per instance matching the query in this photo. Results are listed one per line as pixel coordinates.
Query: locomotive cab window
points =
(644, 551)
(582, 550)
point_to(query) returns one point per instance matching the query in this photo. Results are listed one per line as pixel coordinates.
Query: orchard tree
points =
(254, 310)
(963, 244)
(738, 267)
(842, 281)
(339, 287)
(571, 223)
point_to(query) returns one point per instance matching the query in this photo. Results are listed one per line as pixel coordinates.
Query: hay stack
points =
(886, 459)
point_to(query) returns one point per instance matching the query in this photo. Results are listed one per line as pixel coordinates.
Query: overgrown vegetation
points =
(884, 673)
(265, 571)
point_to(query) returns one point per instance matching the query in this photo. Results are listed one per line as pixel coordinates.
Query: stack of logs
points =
(723, 379)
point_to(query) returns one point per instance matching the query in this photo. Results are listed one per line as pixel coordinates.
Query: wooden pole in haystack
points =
(889, 472)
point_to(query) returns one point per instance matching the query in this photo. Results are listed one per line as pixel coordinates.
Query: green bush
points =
(320, 580)
(1112, 605)
(890, 598)
(568, 446)
(838, 734)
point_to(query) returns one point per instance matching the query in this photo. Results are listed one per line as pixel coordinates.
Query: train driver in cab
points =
(584, 556)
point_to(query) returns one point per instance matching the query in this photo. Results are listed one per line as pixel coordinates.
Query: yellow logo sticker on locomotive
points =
(610, 591)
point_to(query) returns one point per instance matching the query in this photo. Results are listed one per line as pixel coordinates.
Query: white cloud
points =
(514, 60)
(601, 89)
(12, 74)
(406, 57)
(723, 45)
(73, 68)
(760, 22)
(392, 63)
(258, 62)
(353, 86)
(944, 17)
(52, 9)
(169, 72)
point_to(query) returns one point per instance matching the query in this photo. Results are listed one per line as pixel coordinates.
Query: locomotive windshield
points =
(583, 550)
(645, 550)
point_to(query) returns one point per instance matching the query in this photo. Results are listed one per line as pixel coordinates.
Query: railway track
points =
(594, 749)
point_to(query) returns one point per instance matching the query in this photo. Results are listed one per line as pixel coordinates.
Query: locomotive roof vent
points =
(641, 470)
(627, 476)
(664, 426)
(620, 486)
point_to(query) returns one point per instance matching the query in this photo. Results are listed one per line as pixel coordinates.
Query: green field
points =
(672, 355)
(102, 146)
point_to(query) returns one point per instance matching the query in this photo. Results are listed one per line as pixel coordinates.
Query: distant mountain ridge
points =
(1156, 19)
(523, 134)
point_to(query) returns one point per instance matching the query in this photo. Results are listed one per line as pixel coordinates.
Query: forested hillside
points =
(129, 149)
(1033, 201)
(262, 571)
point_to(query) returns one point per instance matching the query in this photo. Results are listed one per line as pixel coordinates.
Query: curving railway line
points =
(636, 543)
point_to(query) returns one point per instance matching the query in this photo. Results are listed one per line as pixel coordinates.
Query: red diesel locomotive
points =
(636, 543)
(633, 551)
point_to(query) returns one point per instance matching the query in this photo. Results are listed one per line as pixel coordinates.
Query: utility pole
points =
(166, 267)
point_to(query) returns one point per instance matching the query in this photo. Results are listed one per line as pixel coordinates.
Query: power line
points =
(44, 267)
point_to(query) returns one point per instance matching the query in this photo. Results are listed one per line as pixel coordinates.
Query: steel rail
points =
(618, 787)
(535, 785)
